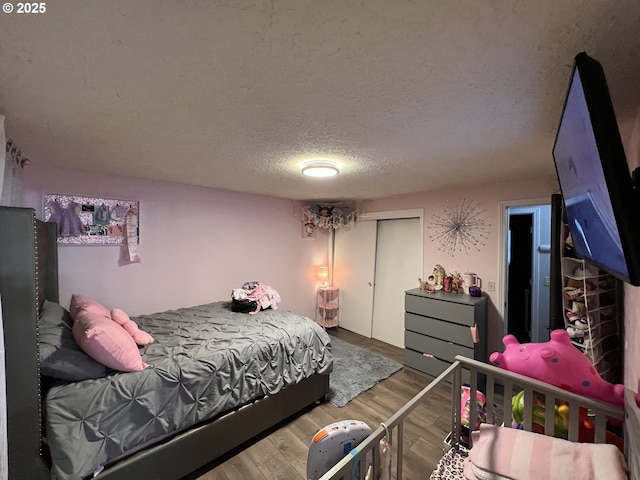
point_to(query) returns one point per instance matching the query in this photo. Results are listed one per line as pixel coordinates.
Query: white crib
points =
(499, 386)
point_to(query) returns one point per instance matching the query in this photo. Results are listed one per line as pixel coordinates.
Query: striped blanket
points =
(506, 453)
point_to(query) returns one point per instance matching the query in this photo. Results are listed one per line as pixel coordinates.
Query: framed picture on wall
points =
(91, 220)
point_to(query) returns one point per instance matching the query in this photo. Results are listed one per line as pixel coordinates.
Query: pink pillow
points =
(81, 302)
(139, 336)
(107, 342)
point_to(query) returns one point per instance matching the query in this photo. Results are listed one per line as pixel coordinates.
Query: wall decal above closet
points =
(92, 220)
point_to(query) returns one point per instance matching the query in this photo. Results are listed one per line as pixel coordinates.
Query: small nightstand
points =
(328, 303)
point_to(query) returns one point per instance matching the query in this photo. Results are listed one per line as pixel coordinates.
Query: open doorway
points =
(520, 275)
(526, 258)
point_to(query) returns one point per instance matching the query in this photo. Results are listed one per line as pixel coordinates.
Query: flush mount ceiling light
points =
(320, 168)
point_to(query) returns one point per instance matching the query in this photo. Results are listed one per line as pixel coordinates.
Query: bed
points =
(46, 415)
(494, 445)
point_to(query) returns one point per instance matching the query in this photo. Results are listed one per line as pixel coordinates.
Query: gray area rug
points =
(355, 370)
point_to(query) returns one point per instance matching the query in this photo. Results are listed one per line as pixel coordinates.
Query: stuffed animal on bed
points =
(122, 318)
(559, 363)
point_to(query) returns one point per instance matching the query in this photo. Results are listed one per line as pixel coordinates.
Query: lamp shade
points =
(323, 275)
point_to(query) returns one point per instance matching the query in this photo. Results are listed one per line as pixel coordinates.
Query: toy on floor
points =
(559, 363)
(332, 443)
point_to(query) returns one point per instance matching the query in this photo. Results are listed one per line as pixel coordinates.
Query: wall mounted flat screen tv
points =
(599, 196)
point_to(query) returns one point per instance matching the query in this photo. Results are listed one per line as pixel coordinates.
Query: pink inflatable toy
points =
(559, 363)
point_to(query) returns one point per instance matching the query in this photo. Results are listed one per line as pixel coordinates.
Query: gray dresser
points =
(438, 324)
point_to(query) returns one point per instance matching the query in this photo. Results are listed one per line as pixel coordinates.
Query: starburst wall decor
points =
(460, 227)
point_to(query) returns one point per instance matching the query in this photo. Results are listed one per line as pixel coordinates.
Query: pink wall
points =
(486, 262)
(196, 245)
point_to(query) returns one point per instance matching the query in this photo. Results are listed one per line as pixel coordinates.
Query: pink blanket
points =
(506, 453)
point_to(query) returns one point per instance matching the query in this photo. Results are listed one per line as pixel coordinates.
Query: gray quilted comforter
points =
(205, 360)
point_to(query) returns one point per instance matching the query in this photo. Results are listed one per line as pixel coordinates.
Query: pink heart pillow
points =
(139, 336)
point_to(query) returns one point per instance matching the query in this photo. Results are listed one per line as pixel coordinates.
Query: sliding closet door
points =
(354, 267)
(398, 266)
(375, 262)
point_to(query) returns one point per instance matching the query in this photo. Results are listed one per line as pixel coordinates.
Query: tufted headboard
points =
(28, 276)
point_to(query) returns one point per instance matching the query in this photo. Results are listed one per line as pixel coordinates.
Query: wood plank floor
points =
(282, 452)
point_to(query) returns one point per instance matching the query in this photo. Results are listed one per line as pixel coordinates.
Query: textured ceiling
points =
(234, 94)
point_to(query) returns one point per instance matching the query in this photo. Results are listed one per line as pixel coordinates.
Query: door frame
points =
(502, 248)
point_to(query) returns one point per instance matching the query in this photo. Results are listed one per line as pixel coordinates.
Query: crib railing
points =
(499, 386)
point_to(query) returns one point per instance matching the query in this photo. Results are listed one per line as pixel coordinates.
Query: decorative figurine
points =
(456, 283)
(431, 284)
(438, 275)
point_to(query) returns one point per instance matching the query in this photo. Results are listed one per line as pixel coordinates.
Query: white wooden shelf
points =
(328, 306)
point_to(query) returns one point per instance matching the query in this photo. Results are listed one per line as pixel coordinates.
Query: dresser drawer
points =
(429, 365)
(450, 332)
(437, 308)
(441, 349)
